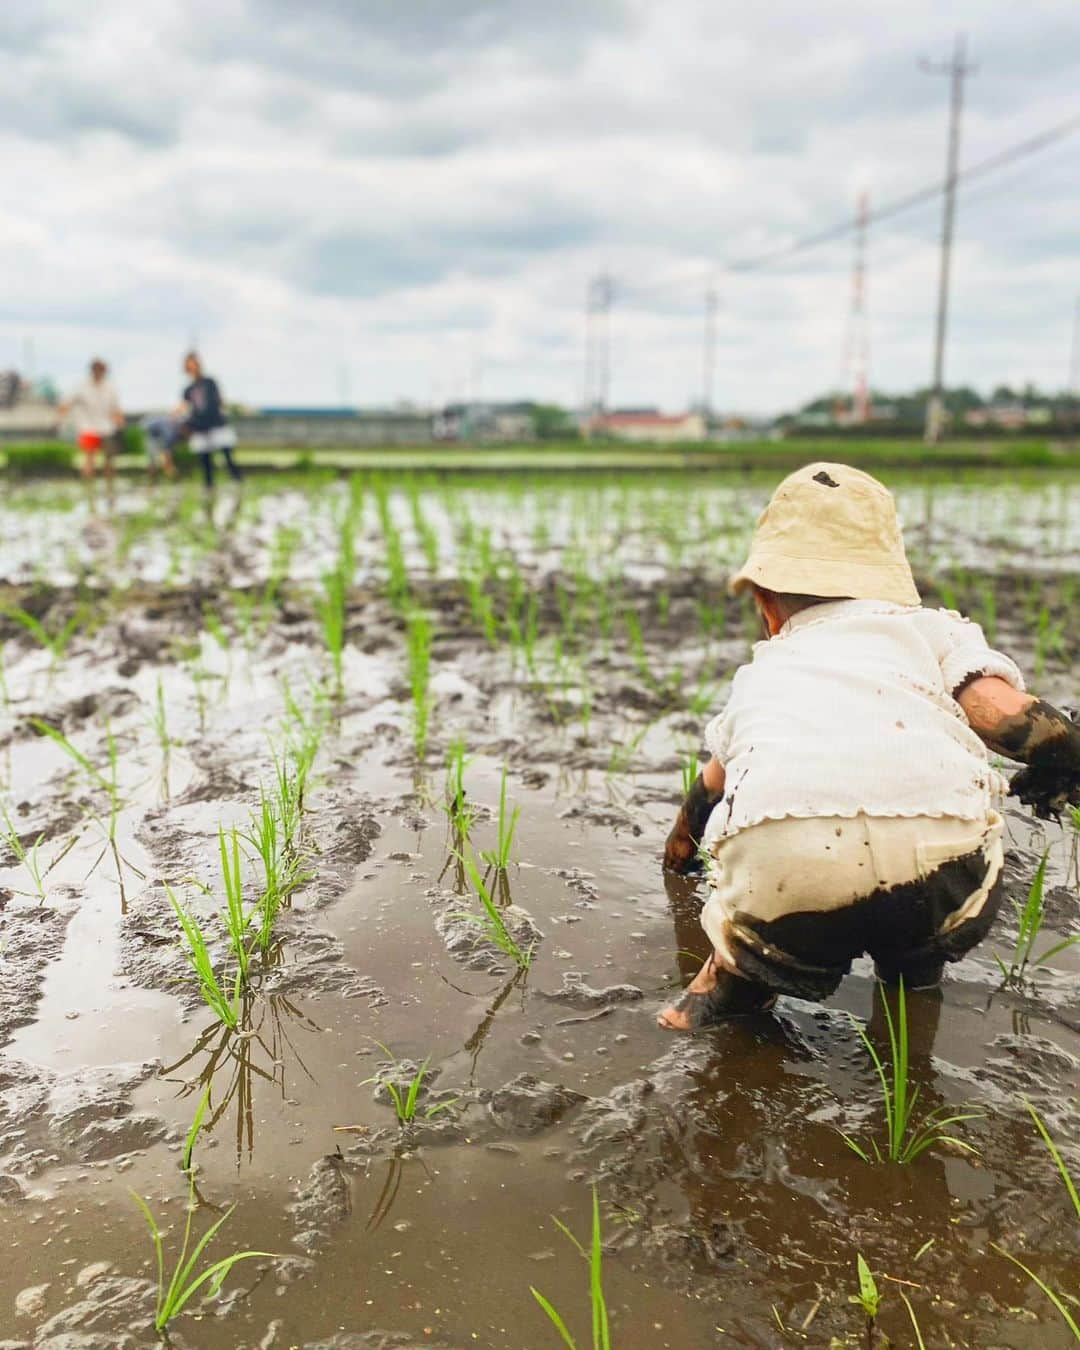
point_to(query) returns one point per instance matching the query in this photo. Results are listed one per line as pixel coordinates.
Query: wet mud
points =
(732, 1208)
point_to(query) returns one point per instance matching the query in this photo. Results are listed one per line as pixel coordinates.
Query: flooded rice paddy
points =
(298, 663)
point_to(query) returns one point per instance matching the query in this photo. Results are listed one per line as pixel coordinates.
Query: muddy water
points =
(732, 1209)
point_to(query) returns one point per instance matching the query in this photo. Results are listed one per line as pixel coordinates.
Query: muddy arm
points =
(1025, 728)
(680, 851)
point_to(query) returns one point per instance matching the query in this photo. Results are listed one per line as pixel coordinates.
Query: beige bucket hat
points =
(830, 530)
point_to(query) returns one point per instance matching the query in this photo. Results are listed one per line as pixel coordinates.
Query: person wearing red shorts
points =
(95, 410)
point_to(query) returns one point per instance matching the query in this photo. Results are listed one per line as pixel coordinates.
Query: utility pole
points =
(708, 367)
(598, 297)
(957, 69)
(1074, 372)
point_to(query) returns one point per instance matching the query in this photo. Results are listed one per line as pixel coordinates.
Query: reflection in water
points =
(258, 1049)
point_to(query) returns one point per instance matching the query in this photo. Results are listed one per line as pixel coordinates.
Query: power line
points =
(756, 262)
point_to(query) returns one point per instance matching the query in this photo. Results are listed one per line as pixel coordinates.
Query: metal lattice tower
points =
(857, 339)
(598, 297)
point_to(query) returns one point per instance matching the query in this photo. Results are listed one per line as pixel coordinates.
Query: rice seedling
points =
(330, 607)
(272, 835)
(193, 1132)
(56, 639)
(867, 1298)
(1059, 1299)
(285, 543)
(594, 1257)
(622, 755)
(236, 921)
(224, 1006)
(691, 766)
(160, 725)
(907, 1136)
(109, 783)
(1029, 918)
(186, 1280)
(459, 812)
(397, 574)
(418, 639)
(405, 1095)
(28, 857)
(499, 857)
(425, 532)
(491, 922)
(1049, 640)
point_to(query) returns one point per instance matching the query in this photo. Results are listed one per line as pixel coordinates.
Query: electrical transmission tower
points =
(957, 69)
(598, 297)
(857, 338)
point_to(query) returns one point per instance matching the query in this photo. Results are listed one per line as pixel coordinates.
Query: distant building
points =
(27, 410)
(331, 428)
(647, 425)
(486, 423)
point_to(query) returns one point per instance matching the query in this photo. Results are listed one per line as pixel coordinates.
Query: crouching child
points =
(849, 805)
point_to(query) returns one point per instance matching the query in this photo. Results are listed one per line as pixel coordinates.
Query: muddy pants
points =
(794, 901)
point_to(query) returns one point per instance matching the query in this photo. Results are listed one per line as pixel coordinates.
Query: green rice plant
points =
(1029, 918)
(499, 857)
(594, 1257)
(867, 1298)
(418, 640)
(622, 755)
(1049, 640)
(285, 543)
(1060, 1300)
(108, 782)
(691, 767)
(397, 574)
(160, 725)
(459, 812)
(491, 922)
(405, 1099)
(236, 921)
(55, 640)
(185, 1283)
(425, 532)
(272, 834)
(1055, 1153)
(330, 607)
(193, 1132)
(224, 1007)
(28, 857)
(908, 1137)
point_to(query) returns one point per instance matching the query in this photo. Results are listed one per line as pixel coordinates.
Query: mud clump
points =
(324, 1202)
(374, 1340)
(30, 937)
(575, 993)
(527, 1104)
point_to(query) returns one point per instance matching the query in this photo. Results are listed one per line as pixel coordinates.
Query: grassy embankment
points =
(50, 459)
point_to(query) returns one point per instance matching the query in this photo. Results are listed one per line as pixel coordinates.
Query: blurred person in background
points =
(95, 409)
(161, 435)
(205, 422)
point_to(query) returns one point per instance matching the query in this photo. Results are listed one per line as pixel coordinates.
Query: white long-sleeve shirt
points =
(849, 710)
(95, 406)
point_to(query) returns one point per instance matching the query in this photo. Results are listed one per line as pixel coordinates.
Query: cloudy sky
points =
(375, 200)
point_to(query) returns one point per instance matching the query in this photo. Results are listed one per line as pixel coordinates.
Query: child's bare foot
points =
(713, 995)
(690, 1009)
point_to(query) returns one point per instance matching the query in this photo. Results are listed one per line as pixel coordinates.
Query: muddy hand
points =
(681, 850)
(1049, 741)
(1042, 788)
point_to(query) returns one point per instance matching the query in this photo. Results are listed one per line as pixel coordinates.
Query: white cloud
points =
(420, 192)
